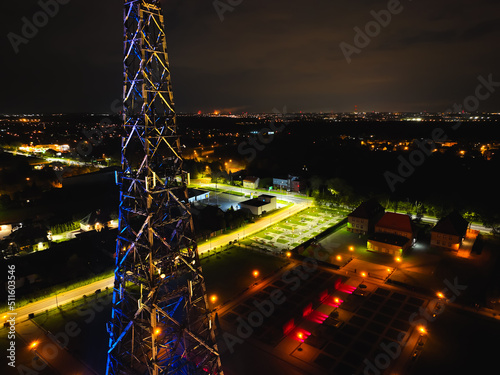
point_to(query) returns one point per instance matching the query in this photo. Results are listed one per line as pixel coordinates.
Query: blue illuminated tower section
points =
(161, 322)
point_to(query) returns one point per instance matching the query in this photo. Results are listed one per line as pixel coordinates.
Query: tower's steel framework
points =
(161, 322)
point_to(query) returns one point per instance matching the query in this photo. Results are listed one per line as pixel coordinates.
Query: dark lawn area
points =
(230, 271)
(91, 344)
(460, 342)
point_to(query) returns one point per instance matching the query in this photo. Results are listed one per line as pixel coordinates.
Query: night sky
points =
(263, 55)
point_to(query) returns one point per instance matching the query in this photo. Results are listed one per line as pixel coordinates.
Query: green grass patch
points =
(237, 193)
(296, 222)
(284, 226)
(275, 231)
(263, 236)
(282, 240)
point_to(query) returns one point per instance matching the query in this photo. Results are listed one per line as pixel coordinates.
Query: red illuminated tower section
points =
(161, 322)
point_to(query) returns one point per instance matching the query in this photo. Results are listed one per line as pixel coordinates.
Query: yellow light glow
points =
(213, 298)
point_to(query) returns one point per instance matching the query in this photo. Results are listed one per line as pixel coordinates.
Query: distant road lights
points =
(440, 295)
(398, 259)
(351, 248)
(34, 344)
(363, 274)
(288, 254)
(157, 331)
(255, 273)
(213, 298)
(300, 336)
(339, 257)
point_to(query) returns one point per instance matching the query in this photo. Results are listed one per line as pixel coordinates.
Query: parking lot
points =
(296, 229)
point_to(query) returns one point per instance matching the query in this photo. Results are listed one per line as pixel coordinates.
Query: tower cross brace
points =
(161, 322)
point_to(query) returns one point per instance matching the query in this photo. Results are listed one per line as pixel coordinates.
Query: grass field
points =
(231, 271)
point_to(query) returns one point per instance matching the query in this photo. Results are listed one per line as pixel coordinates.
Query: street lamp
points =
(213, 298)
(255, 273)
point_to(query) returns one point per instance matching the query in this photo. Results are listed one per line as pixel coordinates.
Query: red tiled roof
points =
(453, 224)
(398, 222)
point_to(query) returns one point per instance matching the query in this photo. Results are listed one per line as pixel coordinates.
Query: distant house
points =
(291, 183)
(196, 195)
(363, 218)
(393, 234)
(95, 221)
(449, 231)
(251, 182)
(28, 239)
(262, 204)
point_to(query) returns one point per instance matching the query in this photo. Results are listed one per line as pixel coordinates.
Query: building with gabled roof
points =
(450, 231)
(395, 223)
(393, 234)
(363, 218)
(251, 182)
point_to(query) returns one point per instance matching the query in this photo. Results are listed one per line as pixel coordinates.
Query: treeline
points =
(65, 227)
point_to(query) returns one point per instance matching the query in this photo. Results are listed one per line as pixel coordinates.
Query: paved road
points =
(219, 241)
(62, 298)
(286, 197)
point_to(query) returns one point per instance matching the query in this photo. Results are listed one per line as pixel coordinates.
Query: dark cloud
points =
(264, 54)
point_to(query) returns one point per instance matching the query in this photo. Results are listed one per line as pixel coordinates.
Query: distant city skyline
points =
(328, 57)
